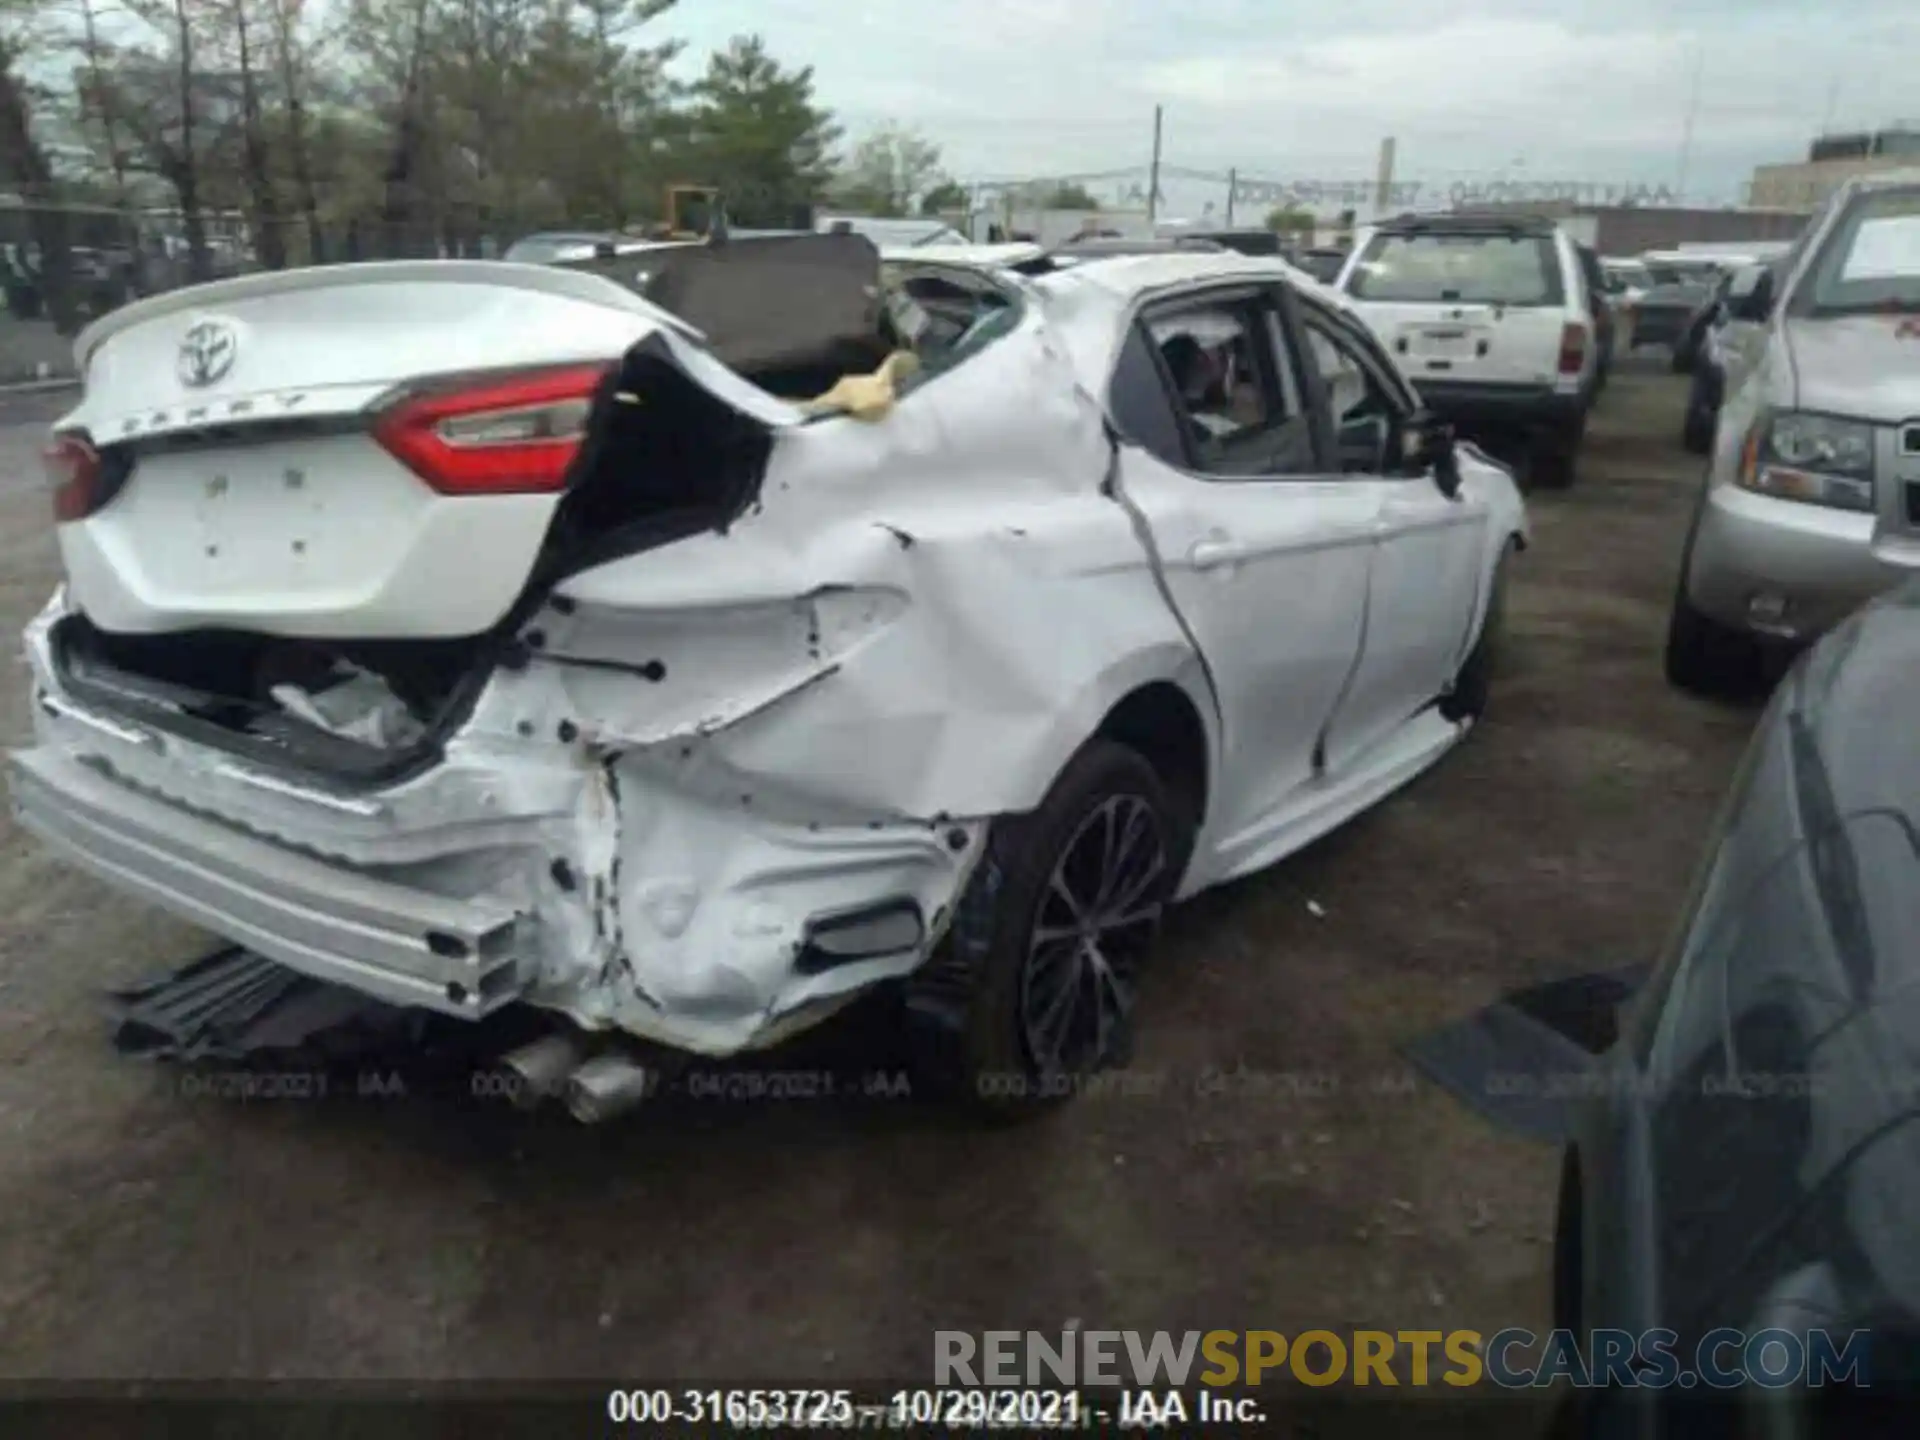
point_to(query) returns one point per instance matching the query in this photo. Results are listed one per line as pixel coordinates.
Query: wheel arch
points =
(1160, 722)
(1150, 700)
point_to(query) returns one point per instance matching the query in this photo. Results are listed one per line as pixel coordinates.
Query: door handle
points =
(1212, 554)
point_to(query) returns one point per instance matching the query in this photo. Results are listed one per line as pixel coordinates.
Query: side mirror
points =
(1427, 443)
(1755, 304)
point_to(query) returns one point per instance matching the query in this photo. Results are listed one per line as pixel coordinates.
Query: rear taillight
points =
(494, 437)
(1573, 348)
(73, 471)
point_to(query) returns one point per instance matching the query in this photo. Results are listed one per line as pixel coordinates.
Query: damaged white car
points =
(473, 634)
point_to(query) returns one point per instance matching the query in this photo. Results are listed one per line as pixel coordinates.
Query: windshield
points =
(1482, 269)
(1870, 261)
(1629, 274)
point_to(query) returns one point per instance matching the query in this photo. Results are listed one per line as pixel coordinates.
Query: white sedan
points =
(473, 634)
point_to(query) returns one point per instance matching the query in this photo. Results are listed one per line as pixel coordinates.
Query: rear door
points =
(1472, 305)
(1423, 584)
(1264, 558)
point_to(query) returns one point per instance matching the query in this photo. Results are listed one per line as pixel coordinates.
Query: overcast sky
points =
(1589, 90)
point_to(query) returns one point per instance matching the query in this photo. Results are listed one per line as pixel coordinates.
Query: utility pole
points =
(1686, 132)
(1153, 173)
(1833, 103)
(1383, 178)
(1233, 184)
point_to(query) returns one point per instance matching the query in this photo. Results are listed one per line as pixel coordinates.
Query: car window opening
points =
(1242, 411)
(1481, 269)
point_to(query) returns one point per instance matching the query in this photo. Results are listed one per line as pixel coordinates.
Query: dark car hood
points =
(1782, 1038)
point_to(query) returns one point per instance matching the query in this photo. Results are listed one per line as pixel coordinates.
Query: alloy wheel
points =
(1093, 924)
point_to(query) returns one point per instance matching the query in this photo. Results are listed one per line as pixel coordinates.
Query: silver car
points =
(1812, 499)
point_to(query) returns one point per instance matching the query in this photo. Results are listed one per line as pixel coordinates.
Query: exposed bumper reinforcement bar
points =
(393, 942)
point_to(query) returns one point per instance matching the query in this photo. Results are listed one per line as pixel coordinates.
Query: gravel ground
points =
(1268, 1163)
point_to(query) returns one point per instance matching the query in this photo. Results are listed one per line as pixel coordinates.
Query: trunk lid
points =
(350, 452)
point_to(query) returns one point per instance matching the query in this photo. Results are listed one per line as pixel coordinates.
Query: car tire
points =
(1703, 410)
(1555, 456)
(989, 1027)
(1705, 657)
(1568, 1243)
(1467, 700)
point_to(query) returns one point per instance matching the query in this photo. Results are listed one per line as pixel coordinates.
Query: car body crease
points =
(1114, 491)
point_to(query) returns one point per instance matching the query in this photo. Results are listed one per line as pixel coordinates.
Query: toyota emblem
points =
(207, 352)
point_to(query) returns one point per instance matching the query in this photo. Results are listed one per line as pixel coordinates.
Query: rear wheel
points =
(1554, 455)
(1036, 986)
(1703, 407)
(1468, 698)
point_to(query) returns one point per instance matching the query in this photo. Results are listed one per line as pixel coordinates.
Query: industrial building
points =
(1832, 159)
(1636, 229)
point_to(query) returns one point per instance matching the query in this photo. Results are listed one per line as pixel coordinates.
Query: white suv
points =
(1492, 321)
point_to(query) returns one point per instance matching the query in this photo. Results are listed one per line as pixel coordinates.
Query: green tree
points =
(1287, 220)
(886, 171)
(755, 132)
(597, 119)
(1071, 195)
(945, 196)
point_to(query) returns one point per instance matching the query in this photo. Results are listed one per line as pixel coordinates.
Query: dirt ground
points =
(1270, 1163)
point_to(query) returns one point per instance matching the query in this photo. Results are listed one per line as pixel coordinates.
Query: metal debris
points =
(232, 1004)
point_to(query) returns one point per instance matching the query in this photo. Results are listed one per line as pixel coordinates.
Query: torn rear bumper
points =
(627, 886)
(395, 943)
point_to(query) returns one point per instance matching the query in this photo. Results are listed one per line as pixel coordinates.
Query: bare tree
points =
(291, 60)
(413, 124)
(93, 104)
(400, 206)
(184, 166)
(269, 239)
(153, 94)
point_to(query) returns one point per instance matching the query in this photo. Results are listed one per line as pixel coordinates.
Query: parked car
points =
(1078, 252)
(1693, 334)
(1672, 311)
(1246, 239)
(1627, 278)
(1323, 263)
(1812, 497)
(889, 233)
(564, 655)
(1708, 378)
(1490, 316)
(554, 247)
(1600, 311)
(1744, 1157)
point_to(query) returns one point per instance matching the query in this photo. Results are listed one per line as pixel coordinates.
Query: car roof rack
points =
(1468, 222)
